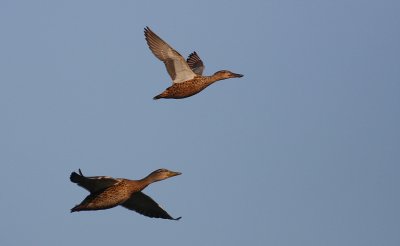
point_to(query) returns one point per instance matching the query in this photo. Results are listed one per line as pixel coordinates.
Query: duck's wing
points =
(195, 63)
(176, 65)
(143, 204)
(93, 184)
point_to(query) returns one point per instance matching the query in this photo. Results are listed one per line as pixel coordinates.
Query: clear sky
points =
(303, 150)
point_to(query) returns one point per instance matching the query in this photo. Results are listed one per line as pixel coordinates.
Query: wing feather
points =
(195, 63)
(143, 204)
(175, 64)
(93, 184)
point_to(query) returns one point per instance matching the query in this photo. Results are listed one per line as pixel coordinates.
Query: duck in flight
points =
(107, 192)
(187, 78)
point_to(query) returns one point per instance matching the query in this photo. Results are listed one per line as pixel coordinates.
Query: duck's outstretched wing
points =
(176, 65)
(143, 204)
(92, 184)
(195, 63)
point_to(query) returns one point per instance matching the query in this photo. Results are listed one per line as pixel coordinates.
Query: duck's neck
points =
(213, 78)
(148, 180)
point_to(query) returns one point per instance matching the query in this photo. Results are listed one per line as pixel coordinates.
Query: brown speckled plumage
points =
(107, 192)
(187, 79)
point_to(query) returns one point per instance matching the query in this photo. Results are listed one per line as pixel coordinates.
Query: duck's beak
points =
(236, 75)
(172, 174)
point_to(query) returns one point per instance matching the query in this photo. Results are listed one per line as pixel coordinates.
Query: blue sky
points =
(303, 150)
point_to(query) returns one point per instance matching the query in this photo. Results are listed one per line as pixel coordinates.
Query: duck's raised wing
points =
(143, 204)
(195, 63)
(176, 65)
(93, 184)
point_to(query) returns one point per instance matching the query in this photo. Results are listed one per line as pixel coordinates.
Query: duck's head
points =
(225, 74)
(161, 174)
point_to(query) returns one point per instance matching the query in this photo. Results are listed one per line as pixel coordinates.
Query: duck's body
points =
(189, 87)
(187, 78)
(111, 196)
(107, 192)
(185, 89)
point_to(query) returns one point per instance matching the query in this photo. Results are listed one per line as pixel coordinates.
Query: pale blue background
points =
(303, 150)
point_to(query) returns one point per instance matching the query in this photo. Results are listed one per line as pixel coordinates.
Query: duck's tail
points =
(75, 209)
(157, 97)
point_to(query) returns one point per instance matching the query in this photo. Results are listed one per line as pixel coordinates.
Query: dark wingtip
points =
(192, 54)
(74, 177)
(178, 218)
(157, 97)
(147, 30)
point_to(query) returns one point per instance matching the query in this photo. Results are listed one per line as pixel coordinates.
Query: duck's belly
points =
(183, 90)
